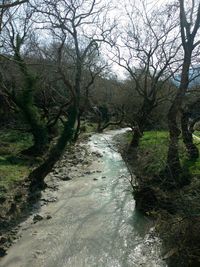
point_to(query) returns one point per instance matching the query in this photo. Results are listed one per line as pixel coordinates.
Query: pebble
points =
(65, 178)
(3, 239)
(88, 172)
(49, 217)
(2, 252)
(37, 218)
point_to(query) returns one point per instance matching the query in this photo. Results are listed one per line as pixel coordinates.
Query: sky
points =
(120, 11)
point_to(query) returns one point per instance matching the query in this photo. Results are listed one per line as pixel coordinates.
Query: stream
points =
(93, 222)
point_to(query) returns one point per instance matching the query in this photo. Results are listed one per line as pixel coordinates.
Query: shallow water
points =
(93, 223)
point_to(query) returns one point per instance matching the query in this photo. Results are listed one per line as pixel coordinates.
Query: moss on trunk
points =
(38, 175)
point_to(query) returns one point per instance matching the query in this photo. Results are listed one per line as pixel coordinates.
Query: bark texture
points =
(192, 149)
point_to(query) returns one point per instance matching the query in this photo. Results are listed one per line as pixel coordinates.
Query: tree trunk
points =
(77, 132)
(187, 137)
(135, 138)
(25, 102)
(192, 124)
(38, 129)
(110, 123)
(99, 123)
(38, 175)
(173, 162)
(142, 118)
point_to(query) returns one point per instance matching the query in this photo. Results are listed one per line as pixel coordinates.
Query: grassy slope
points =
(153, 153)
(13, 167)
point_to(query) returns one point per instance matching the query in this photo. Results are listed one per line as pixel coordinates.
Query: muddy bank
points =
(19, 205)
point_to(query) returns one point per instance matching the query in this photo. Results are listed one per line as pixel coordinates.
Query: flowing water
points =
(94, 223)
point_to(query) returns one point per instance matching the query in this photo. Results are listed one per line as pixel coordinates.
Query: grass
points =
(197, 133)
(154, 148)
(153, 153)
(13, 167)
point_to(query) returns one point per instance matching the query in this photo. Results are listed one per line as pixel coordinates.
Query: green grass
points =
(197, 133)
(153, 147)
(13, 167)
(153, 153)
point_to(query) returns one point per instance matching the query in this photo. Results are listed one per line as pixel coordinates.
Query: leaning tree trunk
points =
(111, 123)
(38, 130)
(37, 176)
(25, 101)
(187, 137)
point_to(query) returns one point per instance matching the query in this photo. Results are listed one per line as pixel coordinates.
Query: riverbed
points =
(92, 223)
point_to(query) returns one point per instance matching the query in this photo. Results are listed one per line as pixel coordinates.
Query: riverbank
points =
(176, 210)
(16, 203)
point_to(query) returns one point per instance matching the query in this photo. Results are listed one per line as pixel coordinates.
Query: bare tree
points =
(189, 26)
(5, 6)
(16, 35)
(147, 51)
(8, 4)
(82, 25)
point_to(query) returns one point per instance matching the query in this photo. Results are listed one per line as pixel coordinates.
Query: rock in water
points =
(2, 252)
(37, 218)
(48, 217)
(65, 178)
